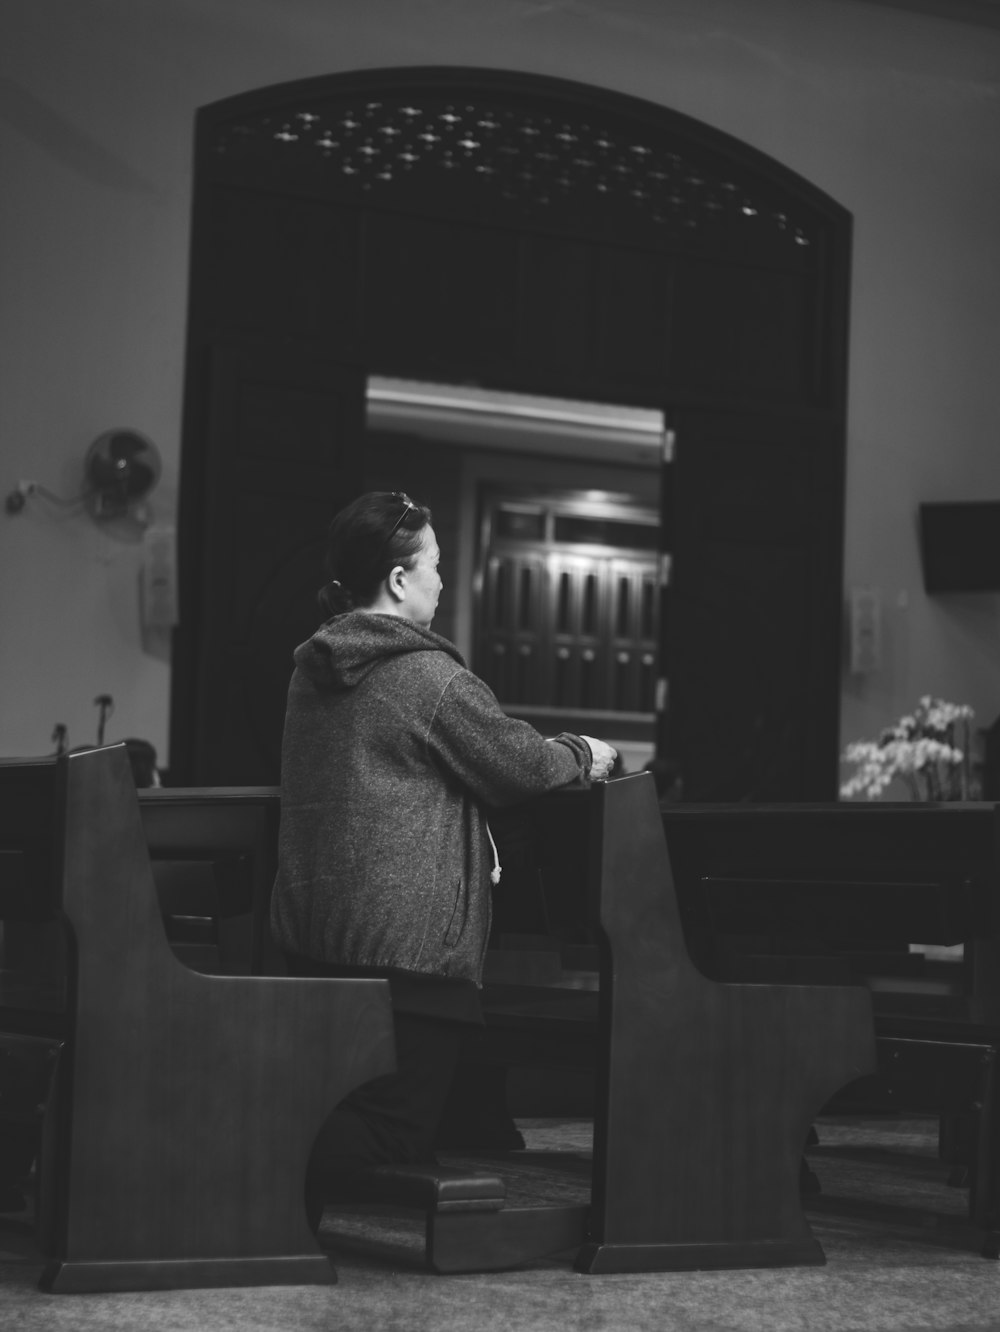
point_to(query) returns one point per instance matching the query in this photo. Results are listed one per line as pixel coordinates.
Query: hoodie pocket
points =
(459, 915)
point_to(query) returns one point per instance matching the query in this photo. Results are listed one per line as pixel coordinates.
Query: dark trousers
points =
(392, 1119)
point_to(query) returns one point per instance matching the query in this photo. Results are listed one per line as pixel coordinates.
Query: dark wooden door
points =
(282, 454)
(561, 629)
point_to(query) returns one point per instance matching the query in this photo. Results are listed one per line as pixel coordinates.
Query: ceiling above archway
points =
(986, 13)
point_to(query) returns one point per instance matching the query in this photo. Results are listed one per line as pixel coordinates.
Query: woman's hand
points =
(603, 758)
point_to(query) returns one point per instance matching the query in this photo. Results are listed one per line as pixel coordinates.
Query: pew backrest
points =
(839, 878)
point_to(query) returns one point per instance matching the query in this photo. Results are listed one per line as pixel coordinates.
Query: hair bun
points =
(334, 598)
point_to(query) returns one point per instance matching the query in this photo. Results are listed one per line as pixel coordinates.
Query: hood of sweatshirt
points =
(343, 650)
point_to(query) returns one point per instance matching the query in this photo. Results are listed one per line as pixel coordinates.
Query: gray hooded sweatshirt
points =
(392, 754)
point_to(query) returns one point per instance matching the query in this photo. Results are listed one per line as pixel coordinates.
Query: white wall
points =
(895, 115)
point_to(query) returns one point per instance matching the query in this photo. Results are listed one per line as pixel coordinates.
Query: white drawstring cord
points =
(496, 871)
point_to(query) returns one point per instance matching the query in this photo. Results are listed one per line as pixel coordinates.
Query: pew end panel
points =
(707, 1091)
(186, 1105)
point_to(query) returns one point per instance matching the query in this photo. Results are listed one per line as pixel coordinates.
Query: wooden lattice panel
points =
(520, 157)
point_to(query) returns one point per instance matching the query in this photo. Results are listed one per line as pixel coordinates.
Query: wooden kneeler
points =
(467, 1225)
(186, 1105)
(705, 1091)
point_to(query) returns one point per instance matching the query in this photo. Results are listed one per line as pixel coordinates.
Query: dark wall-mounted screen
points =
(960, 546)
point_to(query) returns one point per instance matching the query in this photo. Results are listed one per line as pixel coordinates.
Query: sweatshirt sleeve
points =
(500, 759)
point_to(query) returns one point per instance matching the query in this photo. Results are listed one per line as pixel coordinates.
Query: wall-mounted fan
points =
(120, 469)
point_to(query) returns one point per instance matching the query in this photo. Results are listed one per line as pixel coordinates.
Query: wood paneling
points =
(755, 534)
(281, 455)
(439, 297)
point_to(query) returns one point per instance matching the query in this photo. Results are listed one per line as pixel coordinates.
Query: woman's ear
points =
(396, 582)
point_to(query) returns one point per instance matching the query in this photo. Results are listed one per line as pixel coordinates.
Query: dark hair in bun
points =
(366, 540)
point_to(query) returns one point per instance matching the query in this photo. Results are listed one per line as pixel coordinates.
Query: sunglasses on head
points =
(407, 504)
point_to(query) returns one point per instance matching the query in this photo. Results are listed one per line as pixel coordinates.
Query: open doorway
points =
(525, 234)
(547, 513)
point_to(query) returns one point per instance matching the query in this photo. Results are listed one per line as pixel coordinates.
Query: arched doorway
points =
(531, 234)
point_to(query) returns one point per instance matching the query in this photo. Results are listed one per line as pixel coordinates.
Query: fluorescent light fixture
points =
(493, 418)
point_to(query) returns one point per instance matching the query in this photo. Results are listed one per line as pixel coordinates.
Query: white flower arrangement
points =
(930, 750)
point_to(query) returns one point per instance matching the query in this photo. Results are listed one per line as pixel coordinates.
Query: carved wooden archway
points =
(534, 234)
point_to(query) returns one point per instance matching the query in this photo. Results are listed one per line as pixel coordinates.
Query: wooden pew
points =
(705, 1090)
(214, 854)
(696, 1157)
(852, 883)
(183, 1106)
(840, 891)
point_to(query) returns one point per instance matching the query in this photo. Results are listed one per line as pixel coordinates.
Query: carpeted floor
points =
(901, 1257)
